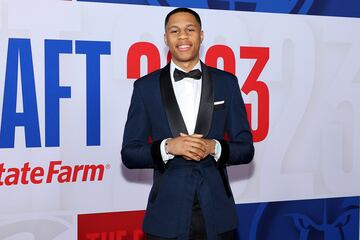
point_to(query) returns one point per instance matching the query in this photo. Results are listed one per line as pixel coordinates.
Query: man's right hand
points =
(191, 147)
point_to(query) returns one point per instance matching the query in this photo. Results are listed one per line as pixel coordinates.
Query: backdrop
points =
(66, 74)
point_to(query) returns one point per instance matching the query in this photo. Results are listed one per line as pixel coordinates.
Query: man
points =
(187, 107)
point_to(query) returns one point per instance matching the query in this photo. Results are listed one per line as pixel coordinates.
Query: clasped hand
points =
(191, 147)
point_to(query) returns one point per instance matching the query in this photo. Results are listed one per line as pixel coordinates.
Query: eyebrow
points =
(175, 26)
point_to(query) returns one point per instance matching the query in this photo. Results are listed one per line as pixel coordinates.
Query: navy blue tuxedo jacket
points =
(154, 112)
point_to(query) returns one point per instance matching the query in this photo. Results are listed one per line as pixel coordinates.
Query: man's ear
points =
(202, 36)
(165, 41)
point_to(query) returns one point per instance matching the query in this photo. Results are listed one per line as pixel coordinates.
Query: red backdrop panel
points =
(111, 226)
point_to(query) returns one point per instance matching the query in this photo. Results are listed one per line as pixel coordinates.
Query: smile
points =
(184, 47)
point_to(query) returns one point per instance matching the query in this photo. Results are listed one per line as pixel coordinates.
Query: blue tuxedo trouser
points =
(197, 227)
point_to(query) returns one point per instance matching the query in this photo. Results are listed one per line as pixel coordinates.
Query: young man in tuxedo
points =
(187, 107)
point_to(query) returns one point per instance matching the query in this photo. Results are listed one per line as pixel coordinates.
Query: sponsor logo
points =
(55, 172)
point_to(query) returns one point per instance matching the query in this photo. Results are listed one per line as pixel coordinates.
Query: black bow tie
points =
(179, 75)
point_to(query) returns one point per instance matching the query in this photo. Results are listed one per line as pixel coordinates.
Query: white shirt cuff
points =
(217, 150)
(165, 156)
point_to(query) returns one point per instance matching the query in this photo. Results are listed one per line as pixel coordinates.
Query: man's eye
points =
(191, 30)
(173, 31)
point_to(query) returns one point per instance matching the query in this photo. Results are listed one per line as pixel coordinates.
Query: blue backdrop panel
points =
(341, 8)
(330, 219)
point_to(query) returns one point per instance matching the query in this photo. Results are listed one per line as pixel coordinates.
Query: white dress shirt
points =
(187, 93)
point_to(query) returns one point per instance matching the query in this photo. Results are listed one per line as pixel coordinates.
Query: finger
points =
(201, 152)
(199, 147)
(197, 152)
(183, 134)
(195, 145)
(191, 156)
(194, 153)
(196, 135)
(195, 140)
(187, 158)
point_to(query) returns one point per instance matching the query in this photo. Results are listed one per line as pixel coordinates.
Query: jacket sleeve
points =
(136, 150)
(239, 149)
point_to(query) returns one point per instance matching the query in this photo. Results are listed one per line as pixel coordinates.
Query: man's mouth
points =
(184, 47)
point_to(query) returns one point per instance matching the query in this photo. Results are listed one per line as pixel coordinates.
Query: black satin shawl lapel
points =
(206, 106)
(172, 110)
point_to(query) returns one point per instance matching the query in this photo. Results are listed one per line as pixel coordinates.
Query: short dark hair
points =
(185, 10)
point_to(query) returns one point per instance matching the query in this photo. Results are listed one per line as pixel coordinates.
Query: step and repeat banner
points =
(67, 70)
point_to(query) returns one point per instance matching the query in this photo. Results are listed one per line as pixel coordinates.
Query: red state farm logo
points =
(111, 226)
(56, 172)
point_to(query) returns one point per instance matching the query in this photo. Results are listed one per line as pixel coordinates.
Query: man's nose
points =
(183, 35)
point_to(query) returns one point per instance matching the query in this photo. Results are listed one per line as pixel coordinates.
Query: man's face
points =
(183, 36)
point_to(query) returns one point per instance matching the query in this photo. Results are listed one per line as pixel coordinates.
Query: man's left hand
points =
(209, 143)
